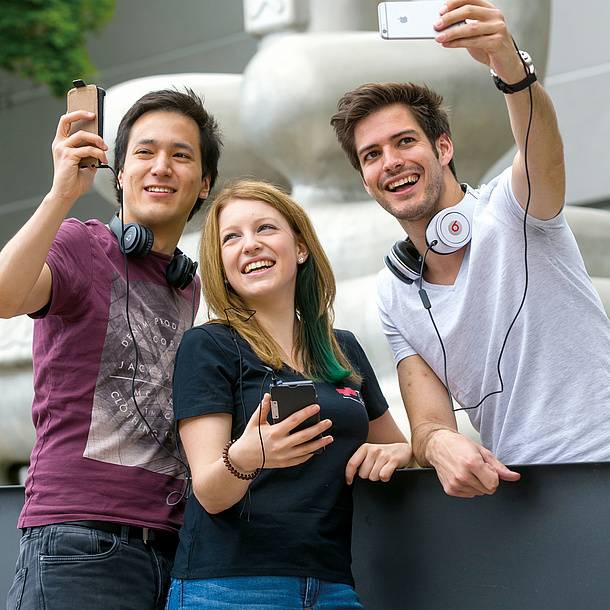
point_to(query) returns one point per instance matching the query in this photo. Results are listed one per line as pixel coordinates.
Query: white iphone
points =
(399, 20)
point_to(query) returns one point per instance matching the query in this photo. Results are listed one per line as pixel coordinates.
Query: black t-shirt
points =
(297, 521)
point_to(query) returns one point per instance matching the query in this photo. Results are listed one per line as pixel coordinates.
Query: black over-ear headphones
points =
(447, 232)
(137, 240)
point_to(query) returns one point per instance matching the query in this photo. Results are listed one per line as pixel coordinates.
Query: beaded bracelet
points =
(236, 473)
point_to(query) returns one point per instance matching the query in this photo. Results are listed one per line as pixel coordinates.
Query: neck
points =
(165, 245)
(281, 324)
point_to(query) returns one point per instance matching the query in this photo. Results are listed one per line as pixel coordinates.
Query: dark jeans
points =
(73, 567)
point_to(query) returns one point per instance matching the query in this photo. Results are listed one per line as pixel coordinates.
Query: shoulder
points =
(208, 342)
(72, 248)
(351, 347)
(499, 200)
(208, 334)
(77, 239)
(387, 284)
(345, 338)
(75, 228)
(209, 346)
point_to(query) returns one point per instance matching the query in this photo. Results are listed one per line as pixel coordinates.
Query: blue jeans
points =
(63, 567)
(261, 593)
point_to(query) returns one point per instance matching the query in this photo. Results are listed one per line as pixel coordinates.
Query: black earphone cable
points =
(426, 301)
(423, 295)
(247, 506)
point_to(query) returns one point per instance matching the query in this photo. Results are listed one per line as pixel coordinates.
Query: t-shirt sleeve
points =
(70, 262)
(507, 209)
(205, 373)
(399, 344)
(374, 400)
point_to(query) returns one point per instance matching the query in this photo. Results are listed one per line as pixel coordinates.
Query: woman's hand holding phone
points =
(283, 445)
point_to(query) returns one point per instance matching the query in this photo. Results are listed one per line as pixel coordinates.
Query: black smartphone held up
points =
(91, 98)
(292, 396)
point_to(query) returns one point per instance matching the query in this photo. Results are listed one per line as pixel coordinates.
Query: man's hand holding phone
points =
(70, 178)
(78, 147)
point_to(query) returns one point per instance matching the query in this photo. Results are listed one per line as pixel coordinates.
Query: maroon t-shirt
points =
(95, 457)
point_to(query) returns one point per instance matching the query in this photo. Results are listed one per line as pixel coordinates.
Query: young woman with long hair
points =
(269, 521)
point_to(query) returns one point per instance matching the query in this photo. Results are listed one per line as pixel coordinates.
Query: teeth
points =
(258, 265)
(408, 180)
(159, 189)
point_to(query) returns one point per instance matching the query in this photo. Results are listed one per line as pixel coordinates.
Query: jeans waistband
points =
(146, 534)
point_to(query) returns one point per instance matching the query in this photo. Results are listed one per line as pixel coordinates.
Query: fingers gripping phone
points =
(91, 98)
(292, 396)
(403, 20)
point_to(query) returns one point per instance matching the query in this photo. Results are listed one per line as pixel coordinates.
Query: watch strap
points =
(522, 84)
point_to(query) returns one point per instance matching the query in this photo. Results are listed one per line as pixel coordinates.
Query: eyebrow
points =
(394, 136)
(255, 221)
(152, 142)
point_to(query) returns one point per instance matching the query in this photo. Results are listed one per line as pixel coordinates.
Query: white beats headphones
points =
(448, 231)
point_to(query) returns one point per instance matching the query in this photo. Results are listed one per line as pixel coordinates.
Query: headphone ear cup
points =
(142, 242)
(181, 271)
(135, 240)
(451, 228)
(404, 261)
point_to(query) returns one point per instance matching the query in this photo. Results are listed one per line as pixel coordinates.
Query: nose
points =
(251, 243)
(392, 160)
(161, 165)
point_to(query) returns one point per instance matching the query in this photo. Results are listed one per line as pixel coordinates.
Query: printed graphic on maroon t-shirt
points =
(119, 434)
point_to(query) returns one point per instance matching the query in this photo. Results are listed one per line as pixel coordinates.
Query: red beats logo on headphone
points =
(450, 229)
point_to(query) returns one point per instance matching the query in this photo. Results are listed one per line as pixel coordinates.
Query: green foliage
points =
(45, 39)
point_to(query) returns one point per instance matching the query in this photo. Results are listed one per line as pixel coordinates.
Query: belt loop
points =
(125, 534)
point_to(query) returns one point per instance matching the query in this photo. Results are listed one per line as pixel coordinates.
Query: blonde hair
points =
(315, 287)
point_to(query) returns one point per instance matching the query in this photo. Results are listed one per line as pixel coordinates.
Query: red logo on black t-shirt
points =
(350, 394)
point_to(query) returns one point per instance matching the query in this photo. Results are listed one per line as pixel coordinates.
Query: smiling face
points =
(400, 167)
(161, 177)
(260, 253)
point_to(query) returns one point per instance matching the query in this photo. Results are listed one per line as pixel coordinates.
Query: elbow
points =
(210, 507)
(557, 163)
(210, 502)
(8, 310)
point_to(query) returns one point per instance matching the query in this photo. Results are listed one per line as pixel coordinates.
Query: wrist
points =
(236, 464)
(434, 439)
(518, 79)
(57, 197)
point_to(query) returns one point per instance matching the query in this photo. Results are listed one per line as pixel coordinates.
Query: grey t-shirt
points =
(555, 406)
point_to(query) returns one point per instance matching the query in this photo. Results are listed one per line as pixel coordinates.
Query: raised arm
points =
(487, 39)
(25, 278)
(464, 468)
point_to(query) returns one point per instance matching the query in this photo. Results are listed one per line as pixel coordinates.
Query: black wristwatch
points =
(526, 82)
